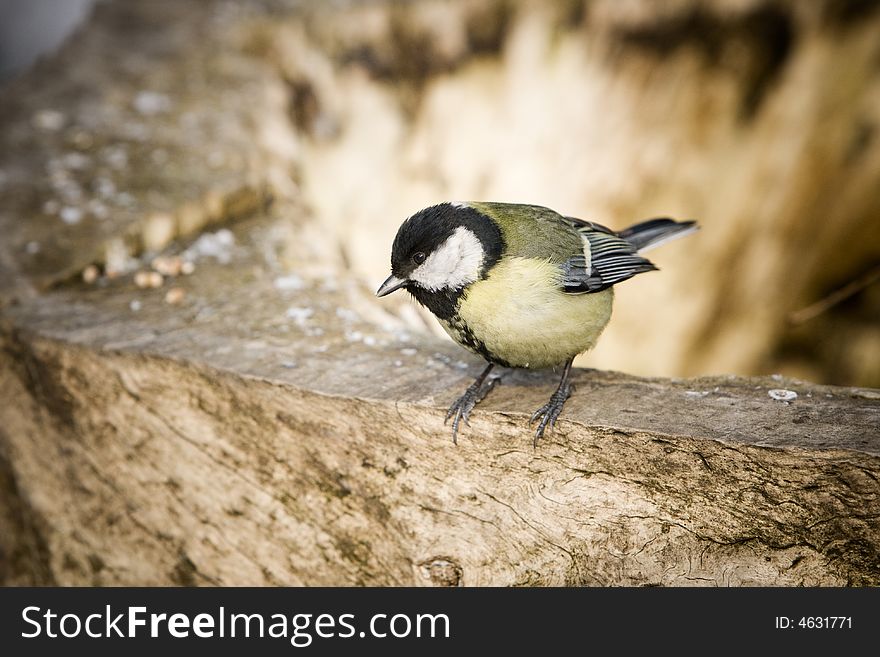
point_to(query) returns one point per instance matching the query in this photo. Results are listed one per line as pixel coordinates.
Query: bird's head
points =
(442, 249)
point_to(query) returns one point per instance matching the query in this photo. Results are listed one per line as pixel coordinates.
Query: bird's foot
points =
(461, 408)
(550, 411)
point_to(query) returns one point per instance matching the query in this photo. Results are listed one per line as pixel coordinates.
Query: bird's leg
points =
(463, 406)
(551, 410)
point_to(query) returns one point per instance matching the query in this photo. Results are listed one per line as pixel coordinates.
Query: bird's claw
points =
(549, 412)
(461, 408)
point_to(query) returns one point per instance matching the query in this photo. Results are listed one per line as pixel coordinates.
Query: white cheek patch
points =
(453, 264)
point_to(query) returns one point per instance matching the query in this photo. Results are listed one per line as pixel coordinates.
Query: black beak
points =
(391, 283)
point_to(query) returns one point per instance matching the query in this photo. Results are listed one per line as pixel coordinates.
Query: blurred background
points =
(757, 118)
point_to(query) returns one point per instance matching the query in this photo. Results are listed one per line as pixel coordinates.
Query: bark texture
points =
(270, 422)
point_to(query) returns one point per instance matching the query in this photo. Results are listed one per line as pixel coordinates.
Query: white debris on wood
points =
(782, 395)
(49, 120)
(347, 315)
(217, 245)
(288, 282)
(71, 215)
(150, 102)
(299, 315)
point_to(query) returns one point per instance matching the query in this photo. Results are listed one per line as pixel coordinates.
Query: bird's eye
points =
(419, 257)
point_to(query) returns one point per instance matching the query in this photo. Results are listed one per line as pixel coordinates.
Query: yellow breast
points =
(522, 316)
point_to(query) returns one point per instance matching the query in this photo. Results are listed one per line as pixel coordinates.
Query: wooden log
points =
(272, 423)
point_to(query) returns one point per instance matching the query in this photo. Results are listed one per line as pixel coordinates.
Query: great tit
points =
(519, 285)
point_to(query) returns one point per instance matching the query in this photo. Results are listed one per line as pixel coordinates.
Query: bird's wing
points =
(607, 259)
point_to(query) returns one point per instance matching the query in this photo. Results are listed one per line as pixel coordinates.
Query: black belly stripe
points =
(444, 305)
(466, 337)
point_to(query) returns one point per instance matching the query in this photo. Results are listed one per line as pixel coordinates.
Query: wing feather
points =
(607, 260)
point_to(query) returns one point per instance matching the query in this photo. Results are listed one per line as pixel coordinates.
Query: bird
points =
(522, 286)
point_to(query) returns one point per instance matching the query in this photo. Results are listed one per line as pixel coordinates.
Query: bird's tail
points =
(655, 232)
